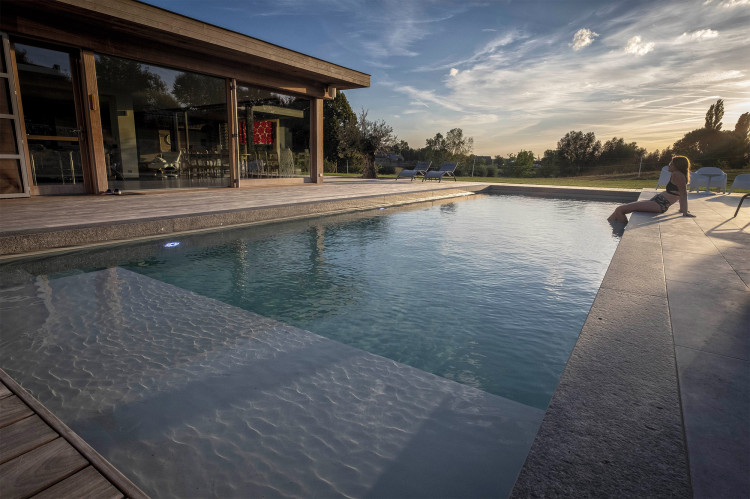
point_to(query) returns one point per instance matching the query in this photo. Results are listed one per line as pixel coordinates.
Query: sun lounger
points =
(447, 169)
(420, 169)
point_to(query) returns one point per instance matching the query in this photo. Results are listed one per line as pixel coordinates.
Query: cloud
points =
(731, 75)
(701, 34)
(583, 38)
(454, 71)
(636, 46)
(490, 50)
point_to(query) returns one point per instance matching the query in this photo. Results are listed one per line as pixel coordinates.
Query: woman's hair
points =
(682, 163)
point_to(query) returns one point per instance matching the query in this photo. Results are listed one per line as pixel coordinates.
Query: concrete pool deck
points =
(654, 399)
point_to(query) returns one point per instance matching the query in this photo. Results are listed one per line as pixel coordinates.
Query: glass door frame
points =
(18, 125)
(83, 130)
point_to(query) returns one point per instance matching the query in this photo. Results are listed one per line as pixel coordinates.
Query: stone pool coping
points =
(654, 399)
(41, 224)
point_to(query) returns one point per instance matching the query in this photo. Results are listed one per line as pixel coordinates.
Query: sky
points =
(518, 74)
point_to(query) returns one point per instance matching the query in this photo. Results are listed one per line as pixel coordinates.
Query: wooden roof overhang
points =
(135, 30)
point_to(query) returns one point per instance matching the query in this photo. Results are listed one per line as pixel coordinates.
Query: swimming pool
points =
(196, 353)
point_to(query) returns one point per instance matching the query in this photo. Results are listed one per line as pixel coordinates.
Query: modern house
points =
(100, 95)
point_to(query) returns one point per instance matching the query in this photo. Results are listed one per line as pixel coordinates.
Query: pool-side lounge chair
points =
(448, 169)
(420, 169)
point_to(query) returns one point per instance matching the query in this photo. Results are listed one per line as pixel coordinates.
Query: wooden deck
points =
(41, 457)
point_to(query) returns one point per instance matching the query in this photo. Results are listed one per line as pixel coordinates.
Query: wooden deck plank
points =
(86, 484)
(13, 409)
(36, 470)
(24, 436)
(18, 475)
(4, 392)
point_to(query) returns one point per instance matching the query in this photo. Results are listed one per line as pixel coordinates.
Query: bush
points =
(354, 165)
(490, 171)
(462, 170)
(518, 171)
(548, 170)
(384, 169)
(329, 166)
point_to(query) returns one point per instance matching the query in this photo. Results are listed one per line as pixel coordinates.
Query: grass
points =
(647, 180)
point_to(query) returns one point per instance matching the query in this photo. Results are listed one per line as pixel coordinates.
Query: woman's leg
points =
(619, 214)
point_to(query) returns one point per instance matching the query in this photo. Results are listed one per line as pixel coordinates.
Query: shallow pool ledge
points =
(614, 424)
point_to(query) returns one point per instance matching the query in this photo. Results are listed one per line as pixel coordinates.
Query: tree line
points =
(357, 140)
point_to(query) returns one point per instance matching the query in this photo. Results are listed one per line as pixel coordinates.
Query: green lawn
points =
(618, 181)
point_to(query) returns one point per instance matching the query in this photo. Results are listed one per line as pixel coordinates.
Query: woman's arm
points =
(680, 181)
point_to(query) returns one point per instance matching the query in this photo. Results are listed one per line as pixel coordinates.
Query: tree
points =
(550, 166)
(364, 138)
(709, 146)
(577, 151)
(336, 114)
(616, 151)
(458, 145)
(714, 115)
(742, 128)
(451, 147)
(520, 165)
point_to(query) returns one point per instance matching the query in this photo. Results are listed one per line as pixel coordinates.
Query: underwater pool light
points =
(172, 244)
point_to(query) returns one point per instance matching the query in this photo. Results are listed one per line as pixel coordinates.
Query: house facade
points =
(117, 95)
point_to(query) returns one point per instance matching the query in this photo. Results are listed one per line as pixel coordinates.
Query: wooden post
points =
(94, 142)
(316, 140)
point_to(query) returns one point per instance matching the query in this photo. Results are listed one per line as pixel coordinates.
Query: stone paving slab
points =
(716, 401)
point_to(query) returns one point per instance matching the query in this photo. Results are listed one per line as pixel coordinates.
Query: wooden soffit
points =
(131, 29)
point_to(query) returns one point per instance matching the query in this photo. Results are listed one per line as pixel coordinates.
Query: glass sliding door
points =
(273, 133)
(53, 133)
(162, 128)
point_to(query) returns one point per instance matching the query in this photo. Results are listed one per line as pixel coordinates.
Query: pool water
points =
(491, 293)
(177, 357)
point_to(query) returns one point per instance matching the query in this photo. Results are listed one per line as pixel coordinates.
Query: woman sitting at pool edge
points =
(676, 191)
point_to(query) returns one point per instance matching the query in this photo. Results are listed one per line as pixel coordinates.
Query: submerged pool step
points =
(192, 396)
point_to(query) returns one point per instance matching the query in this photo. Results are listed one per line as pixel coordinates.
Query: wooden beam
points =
(121, 27)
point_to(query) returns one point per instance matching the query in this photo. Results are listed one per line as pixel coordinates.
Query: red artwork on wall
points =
(263, 132)
(243, 133)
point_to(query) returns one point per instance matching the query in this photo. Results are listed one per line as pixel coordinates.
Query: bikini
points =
(662, 201)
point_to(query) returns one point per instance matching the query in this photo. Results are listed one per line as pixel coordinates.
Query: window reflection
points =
(162, 128)
(274, 133)
(44, 77)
